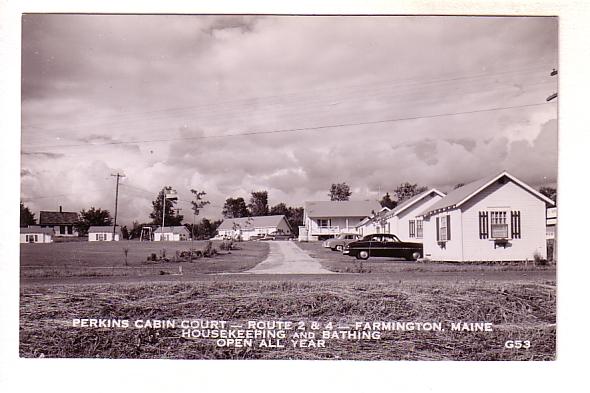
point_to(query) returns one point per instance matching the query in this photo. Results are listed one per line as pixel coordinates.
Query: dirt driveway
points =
(285, 257)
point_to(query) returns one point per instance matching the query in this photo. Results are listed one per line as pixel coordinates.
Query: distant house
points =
(174, 233)
(246, 227)
(403, 220)
(61, 222)
(498, 218)
(326, 219)
(372, 223)
(104, 233)
(36, 234)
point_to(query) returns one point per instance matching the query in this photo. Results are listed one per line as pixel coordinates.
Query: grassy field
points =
(108, 258)
(518, 311)
(337, 262)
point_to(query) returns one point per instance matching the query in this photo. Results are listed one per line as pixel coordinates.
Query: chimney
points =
(60, 208)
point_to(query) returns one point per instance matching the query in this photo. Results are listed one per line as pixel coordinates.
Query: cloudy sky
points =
(234, 104)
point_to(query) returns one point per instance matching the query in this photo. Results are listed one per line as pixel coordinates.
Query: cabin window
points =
(412, 231)
(31, 238)
(419, 229)
(443, 228)
(324, 222)
(101, 236)
(498, 224)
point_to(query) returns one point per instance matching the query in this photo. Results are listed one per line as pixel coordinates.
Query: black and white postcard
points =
(210, 186)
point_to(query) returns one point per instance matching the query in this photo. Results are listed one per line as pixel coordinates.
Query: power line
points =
(299, 109)
(290, 130)
(245, 101)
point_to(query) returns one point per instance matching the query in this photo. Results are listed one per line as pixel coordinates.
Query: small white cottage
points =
(499, 218)
(404, 220)
(103, 233)
(246, 227)
(174, 233)
(36, 234)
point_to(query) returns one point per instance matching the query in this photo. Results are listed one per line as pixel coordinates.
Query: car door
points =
(377, 246)
(392, 247)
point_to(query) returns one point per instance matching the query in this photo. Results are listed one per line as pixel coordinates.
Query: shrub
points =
(539, 261)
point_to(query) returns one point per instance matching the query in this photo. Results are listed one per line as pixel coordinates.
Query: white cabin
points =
(499, 218)
(244, 228)
(173, 234)
(103, 233)
(36, 234)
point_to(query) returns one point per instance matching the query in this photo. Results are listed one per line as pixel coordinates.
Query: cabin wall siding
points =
(402, 224)
(452, 250)
(512, 197)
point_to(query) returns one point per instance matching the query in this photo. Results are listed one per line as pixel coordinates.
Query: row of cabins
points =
(40, 234)
(498, 218)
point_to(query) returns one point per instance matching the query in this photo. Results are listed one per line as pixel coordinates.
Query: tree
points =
(125, 232)
(91, 217)
(258, 205)
(235, 208)
(549, 192)
(295, 219)
(26, 216)
(387, 202)
(197, 204)
(172, 218)
(205, 229)
(339, 192)
(293, 215)
(279, 210)
(406, 190)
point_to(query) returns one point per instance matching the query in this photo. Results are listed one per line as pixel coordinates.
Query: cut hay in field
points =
(516, 311)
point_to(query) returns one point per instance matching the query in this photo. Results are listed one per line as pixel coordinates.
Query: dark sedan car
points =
(383, 245)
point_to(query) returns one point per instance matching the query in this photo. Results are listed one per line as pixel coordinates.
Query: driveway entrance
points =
(285, 257)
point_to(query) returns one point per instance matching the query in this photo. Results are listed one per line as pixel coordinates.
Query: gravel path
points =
(285, 257)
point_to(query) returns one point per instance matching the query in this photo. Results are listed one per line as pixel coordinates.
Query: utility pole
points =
(118, 176)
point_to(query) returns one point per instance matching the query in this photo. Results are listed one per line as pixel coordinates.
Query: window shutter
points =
(437, 230)
(448, 227)
(412, 228)
(483, 225)
(515, 224)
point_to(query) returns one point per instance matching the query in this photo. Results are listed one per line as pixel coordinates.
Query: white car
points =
(338, 243)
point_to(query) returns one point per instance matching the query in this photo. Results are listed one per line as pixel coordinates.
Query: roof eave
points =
(514, 179)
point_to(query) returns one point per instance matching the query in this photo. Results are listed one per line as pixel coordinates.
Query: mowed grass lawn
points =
(517, 311)
(108, 258)
(337, 262)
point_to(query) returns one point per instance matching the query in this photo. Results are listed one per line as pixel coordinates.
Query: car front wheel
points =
(364, 254)
(339, 248)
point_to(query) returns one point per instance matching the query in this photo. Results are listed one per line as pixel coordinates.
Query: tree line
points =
(234, 207)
